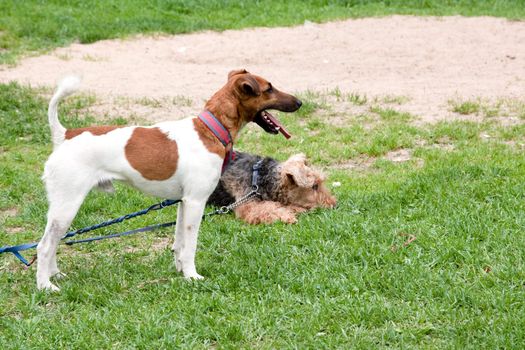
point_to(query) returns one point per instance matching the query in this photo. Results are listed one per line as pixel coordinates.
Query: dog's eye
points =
(270, 88)
(315, 187)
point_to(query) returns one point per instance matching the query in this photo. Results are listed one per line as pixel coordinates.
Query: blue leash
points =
(15, 250)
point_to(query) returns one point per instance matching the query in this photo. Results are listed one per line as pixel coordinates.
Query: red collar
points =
(222, 134)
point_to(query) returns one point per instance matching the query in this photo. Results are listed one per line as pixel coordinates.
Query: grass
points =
(426, 253)
(467, 107)
(500, 108)
(36, 26)
(357, 99)
(353, 277)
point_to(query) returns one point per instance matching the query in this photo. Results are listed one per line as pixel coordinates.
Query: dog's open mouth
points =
(270, 124)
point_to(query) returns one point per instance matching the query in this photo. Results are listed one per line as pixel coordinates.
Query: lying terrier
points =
(285, 189)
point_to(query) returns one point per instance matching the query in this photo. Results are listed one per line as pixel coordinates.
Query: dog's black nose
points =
(298, 103)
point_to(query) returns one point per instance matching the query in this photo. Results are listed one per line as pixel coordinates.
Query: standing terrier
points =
(285, 189)
(175, 160)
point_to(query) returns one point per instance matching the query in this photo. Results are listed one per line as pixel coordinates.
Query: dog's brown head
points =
(304, 186)
(252, 96)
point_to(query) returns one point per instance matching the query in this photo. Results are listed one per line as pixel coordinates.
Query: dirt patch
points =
(515, 144)
(359, 163)
(364, 163)
(428, 60)
(509, 121)
(9, 212)
(135, 109)
(398, 156)
(159, 244)
(14, 230)
(444, 143)
(403, 155)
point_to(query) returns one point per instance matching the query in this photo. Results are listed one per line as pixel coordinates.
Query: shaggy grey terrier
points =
(285, 189)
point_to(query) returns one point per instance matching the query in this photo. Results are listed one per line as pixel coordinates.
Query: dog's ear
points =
(235, 72)
(296, 172)
(299, 157)
(249, 86)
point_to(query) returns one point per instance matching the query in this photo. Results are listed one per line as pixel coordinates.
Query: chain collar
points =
(246, 198)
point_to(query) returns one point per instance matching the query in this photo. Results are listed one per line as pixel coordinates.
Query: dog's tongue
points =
(278, 126)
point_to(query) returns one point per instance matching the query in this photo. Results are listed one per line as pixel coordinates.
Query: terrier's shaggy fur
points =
(286, 189)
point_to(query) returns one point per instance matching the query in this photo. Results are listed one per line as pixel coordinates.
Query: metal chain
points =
(244, 199)
(248, 197)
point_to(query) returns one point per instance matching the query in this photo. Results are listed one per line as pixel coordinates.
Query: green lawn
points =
(343, 278)
(425, 253)
(34, 25)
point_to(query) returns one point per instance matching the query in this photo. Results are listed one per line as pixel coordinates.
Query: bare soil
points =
(425, 60)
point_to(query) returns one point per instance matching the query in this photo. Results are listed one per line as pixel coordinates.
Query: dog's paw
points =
(193, 276)
(48, 286)
(289, 219)
(286, 215)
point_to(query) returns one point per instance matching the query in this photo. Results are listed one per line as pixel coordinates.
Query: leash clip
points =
(223, 210)
(255, 175)
(28, 265)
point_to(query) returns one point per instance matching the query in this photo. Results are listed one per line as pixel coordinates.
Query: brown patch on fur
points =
(95, 130)
(210, 141)
(265, 212)
(152, 153)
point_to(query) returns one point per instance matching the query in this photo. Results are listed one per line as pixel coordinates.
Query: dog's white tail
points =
(66, 87)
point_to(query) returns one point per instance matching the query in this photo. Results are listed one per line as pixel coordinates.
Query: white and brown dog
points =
(175, 160)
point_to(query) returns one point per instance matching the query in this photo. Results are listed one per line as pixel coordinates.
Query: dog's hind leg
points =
(64, 203)
(188, 223)
(106, 186)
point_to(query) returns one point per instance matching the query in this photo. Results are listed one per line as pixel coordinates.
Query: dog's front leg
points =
(179, 238)
(265, 212)
(189, 218)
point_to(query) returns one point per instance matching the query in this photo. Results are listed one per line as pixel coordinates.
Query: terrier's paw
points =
(289, 219)
(286, 215)
(283, 214)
